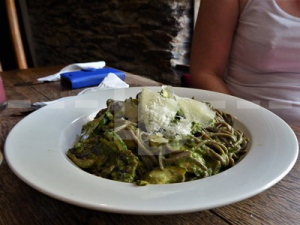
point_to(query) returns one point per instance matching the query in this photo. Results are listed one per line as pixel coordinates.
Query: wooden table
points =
(21, 204)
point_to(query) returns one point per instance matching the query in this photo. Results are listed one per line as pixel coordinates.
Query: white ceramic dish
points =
(35, 150)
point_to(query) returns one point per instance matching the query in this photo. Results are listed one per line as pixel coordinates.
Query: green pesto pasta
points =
(128, 141)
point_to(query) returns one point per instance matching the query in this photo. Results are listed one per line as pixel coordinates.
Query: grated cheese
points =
(158, 113)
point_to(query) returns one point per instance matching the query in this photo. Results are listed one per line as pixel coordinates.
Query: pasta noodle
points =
(117, 145)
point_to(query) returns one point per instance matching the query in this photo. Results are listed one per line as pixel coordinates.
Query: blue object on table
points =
(88, 77)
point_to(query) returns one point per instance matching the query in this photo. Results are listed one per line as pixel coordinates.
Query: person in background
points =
(250, 49)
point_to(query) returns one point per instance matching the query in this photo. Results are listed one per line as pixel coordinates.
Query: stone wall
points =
(139, 36)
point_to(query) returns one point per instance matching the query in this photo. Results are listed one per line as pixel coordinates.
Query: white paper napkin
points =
(72, 67)
(111, 81)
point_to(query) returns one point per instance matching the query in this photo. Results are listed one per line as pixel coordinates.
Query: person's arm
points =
(211, 45)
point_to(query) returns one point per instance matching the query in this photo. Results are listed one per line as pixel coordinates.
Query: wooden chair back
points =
(16, 34)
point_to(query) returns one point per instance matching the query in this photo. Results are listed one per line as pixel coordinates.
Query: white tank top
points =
(264, 65)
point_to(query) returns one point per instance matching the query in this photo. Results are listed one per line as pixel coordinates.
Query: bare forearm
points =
(209, 82)
(212, 42)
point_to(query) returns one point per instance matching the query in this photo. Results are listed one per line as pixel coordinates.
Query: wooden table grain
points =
(21, 204)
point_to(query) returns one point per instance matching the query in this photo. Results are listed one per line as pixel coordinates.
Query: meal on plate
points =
(158, 138)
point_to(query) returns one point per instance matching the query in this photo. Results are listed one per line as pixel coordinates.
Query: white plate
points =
(35, 150)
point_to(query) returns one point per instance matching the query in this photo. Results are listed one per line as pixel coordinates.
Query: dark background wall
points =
(6, 48)
(140, 36)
